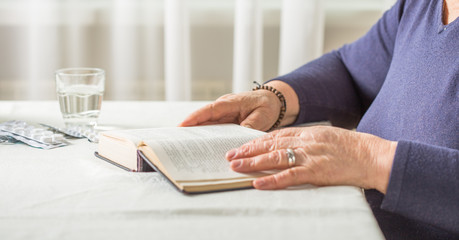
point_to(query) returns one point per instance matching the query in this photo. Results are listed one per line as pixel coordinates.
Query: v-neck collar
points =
(442, 27)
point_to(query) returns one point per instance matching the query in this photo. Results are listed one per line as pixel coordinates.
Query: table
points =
(67, 193)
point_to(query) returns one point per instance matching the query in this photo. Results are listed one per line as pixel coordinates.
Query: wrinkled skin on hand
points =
(324, 156)
(258, 110)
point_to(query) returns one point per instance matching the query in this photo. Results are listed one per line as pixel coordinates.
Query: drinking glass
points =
(80, 92)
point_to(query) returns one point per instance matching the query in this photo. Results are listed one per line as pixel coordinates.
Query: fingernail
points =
(236, 164)
(247, 126)
(231, 154)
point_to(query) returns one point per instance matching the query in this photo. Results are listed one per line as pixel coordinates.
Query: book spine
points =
(142, 166)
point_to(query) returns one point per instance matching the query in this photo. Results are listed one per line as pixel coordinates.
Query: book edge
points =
(182, 190)
(112, 162)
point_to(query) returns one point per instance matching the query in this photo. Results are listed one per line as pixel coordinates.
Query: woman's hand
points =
(258, 109)
(324, 156)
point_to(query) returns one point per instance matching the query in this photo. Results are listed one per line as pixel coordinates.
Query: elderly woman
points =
(398, 85)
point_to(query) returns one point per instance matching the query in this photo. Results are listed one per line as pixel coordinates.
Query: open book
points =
(192, 158)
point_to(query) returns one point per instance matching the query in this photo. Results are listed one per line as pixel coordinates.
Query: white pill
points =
(19, 130)
(37, 131)
(20, 123)
(58, 137)
(28, 133)
(47, 133)
(37, 136)
(46, 139)
(7, 127)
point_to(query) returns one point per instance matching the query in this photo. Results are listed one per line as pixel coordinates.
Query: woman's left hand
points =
(324, 156)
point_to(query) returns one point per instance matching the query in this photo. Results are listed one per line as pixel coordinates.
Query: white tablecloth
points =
(67, 193)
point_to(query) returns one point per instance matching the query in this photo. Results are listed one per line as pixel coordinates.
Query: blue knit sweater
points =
(399, 82)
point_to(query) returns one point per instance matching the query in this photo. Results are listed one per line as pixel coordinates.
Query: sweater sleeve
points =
(424, 185)
(340, 86)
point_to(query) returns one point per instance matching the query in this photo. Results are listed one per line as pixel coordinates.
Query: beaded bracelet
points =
(281, 97)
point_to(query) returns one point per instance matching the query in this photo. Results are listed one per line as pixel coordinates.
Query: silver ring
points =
(291, 157)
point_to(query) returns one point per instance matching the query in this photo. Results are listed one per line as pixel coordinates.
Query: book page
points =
(198, 153)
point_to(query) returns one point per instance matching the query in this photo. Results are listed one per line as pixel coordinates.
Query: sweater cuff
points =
(423, 184)
(397, 173)
(295, 85)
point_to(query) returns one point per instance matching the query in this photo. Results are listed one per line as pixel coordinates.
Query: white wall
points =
(211, 39)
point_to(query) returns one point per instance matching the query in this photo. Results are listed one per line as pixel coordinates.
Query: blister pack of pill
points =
(5, 138)
(31, 135)
(76, 132)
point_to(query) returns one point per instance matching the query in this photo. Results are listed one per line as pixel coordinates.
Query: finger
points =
(220, 121)
(198, 117)
(255, 121)
(193, 118)
(289, 177)
(276, 140)
(284, 132)
(213, 112)
(268, 161)
(257, 148)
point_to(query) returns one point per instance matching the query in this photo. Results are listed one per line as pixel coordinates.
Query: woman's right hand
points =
(258, 110)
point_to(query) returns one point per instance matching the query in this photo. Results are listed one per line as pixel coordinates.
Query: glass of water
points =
(80, 92)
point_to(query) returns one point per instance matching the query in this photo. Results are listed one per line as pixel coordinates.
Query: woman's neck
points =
(450, 11)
